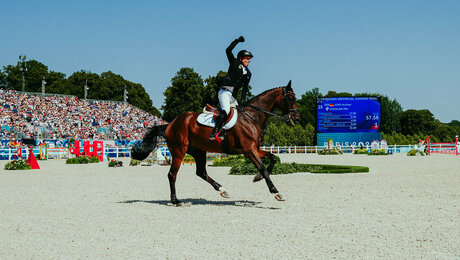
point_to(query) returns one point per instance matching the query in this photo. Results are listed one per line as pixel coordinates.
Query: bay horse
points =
(184, 135)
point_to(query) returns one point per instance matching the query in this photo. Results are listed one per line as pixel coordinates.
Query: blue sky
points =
(407, 50)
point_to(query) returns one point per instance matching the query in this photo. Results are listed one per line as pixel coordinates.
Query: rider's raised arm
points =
(231, 47)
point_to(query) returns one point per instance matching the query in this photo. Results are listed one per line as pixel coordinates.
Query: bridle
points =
(287, 117)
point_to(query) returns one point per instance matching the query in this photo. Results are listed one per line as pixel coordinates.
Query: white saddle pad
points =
(206, 120)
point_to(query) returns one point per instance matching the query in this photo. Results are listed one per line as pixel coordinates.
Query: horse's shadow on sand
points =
(191, 202)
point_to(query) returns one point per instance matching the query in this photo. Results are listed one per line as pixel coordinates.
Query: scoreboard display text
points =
(348, 114)
(348, 120)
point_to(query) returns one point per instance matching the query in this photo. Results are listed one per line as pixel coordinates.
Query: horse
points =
(184, 135)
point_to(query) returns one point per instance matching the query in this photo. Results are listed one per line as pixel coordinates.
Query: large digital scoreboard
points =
(348, 120)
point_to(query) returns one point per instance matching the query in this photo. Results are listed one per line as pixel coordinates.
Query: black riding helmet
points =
(244, 53)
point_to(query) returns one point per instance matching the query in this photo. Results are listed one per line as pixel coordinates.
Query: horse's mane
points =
(263, 93)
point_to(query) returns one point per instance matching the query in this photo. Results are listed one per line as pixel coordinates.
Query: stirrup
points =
(213, 136)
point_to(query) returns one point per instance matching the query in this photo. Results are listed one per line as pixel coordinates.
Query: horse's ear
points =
(288, 87)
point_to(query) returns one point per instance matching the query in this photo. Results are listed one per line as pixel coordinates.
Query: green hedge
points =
(134, 162)
(330, 152)
(378, 152)
(115, 163)
(242, 166)
(17, 165)
(360, 151)
(414, 152)
(82, 160)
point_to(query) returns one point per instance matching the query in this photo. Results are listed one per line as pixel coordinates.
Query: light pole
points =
(43, 86)
(23, 69)
(125, 95)
(85, 88)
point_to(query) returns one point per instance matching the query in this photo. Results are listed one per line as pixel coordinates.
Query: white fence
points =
(61, 153)
(345, 149)
(117, 152)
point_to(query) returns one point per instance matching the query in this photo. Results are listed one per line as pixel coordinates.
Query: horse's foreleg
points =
(200, 159)
(255, 159)
(264, 154)
(172, 174)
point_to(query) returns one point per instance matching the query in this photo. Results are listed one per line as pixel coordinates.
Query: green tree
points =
(184, 94)
(213, 85)
(417, 121)
(108, 86)
(307, 106)
(77, 81)
(454, 123)
(2, 79)
(35, 73)
(274, 134)
(445, 132)
(281, 134)
(51, 77)
(137, 95)
(111, 86)
(390, 115)
(331, 93)
(33, 76)
(12, 77)
(310, 135)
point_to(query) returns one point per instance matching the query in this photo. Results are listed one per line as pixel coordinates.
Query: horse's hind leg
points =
(172, 174)
(200, 159)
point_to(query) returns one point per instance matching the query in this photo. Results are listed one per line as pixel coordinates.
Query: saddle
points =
(210, 113)
(208, 109)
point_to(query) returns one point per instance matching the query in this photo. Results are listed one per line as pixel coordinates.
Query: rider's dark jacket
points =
(235, 76)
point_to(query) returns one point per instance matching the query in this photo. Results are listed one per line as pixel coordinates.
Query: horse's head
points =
(288, 105)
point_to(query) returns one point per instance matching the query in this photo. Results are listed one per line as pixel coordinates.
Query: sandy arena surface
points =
(405, 208)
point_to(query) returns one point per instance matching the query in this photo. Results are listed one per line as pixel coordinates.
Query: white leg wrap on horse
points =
(221, 189)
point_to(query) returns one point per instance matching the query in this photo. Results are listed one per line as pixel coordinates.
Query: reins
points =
(266, 112)
(284, 117)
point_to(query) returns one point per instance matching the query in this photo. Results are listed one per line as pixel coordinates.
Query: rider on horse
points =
(238, 76)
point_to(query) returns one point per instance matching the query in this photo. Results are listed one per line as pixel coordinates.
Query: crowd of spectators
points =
(65, 117)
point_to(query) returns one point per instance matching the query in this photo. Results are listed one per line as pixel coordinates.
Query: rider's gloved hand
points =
(240, 39)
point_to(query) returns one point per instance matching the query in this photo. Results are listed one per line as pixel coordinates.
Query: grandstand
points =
(33, 116)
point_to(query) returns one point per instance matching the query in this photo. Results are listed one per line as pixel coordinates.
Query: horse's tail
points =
(141, 150)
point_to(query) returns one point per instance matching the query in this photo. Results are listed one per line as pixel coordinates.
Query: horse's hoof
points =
(175, 201)
(224, 194)
(257, 178)
(181, 204)
(279, 197)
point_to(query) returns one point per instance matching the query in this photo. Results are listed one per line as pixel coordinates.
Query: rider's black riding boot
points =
(219, 122)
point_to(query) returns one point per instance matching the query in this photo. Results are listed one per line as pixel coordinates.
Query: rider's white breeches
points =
(225, 99)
